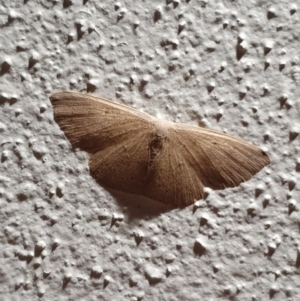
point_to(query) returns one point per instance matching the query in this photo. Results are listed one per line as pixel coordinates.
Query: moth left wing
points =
(194, 158)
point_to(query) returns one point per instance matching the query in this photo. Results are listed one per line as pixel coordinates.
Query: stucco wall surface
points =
(233, 66)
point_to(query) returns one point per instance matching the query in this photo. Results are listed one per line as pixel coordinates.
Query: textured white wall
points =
(233, 66)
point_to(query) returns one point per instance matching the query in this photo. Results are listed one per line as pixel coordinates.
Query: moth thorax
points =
(156, 144)
(159, 135)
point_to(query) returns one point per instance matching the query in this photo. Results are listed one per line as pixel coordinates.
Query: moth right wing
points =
(93, 124)
(116, 136)
(123, 165)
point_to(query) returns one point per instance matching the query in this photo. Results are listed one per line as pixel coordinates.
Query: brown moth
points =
(136, 153)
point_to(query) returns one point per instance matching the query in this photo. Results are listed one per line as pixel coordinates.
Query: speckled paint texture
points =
(233, 66)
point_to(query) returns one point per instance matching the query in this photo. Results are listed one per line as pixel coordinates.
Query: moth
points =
(133, 152)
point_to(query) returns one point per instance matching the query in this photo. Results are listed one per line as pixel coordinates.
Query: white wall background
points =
(231, 65)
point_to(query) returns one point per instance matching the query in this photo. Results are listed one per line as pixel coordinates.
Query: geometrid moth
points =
(133, 152)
